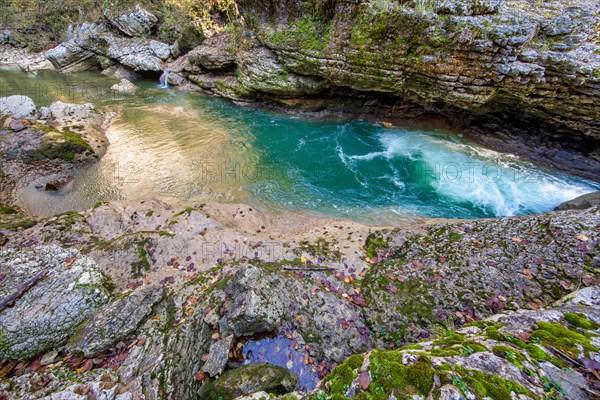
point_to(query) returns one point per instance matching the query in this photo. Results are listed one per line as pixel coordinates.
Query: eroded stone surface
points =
(114, 322)
(69, 289)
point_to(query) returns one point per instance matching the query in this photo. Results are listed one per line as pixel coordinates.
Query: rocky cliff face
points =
(542, 59)
(504, 72)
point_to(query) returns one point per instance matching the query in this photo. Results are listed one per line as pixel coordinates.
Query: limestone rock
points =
(580, 203)
(141, 62)
(256, 306)
(87, 44)
(114, 322)
(216, 53)
(18, 107)
(138, 22)
(457, 52)
(479, 258)
(449, 392)
(573, 383)
(19, 59)
(589, 296)
(250, 379)
(72, 55)
(68, 289)
(260, 71)
(218, 355)
(121, 72)
(124, 86)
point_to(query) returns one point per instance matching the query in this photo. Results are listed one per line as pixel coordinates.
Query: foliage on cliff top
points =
(40, 24)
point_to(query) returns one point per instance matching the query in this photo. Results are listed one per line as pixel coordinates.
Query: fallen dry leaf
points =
(364, 380)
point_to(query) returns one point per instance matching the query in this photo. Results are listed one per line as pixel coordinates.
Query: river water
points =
(188, 148)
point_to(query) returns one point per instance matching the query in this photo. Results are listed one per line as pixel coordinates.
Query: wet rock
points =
(18, 107)
(114, 322)
(138, 22)
(256, 305)
(60, 289)
(218, 355)
(250, 379)
(58, 184)
(87, 45)
(580, 203)
(124, 86)
(216, 53)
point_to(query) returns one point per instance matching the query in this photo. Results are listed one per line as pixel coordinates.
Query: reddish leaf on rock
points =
(36, 364)
(364, 380)
(524, 336)
(535, 304)
(87, 365)
(495, 303)
(134, 284)
(7, 368)
(70, 262)
(393, 289)
(565, 284)
(121, 357)
(199, 376)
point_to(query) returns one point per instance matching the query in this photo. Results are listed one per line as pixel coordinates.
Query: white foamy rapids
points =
(498, 183)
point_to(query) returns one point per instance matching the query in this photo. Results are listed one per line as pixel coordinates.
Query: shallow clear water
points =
(189, 148)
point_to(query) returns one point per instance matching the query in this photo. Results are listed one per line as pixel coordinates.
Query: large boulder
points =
(75, 116)
(47, 292)
(138, 22)
(260, 71)
(216, 53)
(580, 203)
(250, 379)
(141, 62)
(87, 44)
(73, 55)
(124, 86)
(114, 322)
(18, 107)
(256, 305)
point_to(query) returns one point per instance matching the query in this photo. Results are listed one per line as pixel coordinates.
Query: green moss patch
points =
(61, 145)
(562, 338)
(580, 320)
(340, 379)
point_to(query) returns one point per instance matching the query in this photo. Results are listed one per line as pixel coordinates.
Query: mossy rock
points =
(250, 379)
(61, 145)
(4, 210)
(580, 321)
(563, 338)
